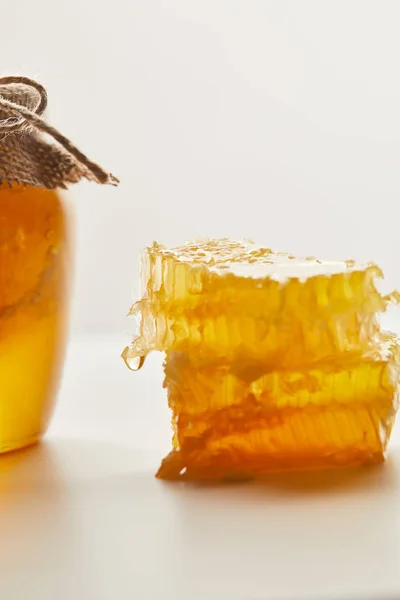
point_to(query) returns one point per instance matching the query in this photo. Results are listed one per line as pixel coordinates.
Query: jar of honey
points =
(34, 258)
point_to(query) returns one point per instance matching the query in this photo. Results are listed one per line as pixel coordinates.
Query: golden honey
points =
(272, 362)
(33, 292)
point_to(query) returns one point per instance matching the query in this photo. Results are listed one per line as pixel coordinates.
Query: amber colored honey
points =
(33, 293)
(271, 362)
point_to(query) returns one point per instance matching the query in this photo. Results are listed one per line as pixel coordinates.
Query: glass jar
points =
(33, 310)
(33, 257)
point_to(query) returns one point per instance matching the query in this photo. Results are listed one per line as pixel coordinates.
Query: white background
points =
(273, 120)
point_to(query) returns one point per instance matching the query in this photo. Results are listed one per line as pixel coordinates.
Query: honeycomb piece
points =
(230, 422)
(225, 300)
(272, 362)
(29, 234)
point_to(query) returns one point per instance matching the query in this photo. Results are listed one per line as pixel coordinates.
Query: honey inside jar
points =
(33, 305)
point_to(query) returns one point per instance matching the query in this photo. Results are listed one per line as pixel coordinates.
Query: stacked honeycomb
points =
(272, 362)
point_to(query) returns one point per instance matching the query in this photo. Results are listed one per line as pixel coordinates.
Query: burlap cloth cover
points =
(31, 151)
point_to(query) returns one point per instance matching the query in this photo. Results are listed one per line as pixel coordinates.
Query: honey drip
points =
(272, 362)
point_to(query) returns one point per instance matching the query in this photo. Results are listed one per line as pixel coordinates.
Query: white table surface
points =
(82, 516)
